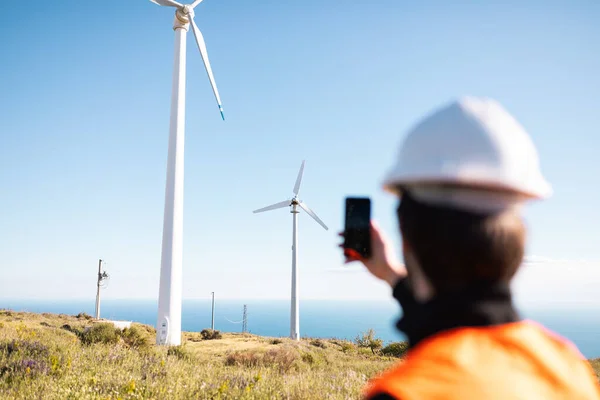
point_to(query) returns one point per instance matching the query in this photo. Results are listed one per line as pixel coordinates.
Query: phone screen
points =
(357, 232)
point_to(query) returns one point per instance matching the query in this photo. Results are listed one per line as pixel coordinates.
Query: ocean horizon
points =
(343, 319)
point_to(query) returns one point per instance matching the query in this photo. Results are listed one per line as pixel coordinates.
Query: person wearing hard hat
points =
(462, 175)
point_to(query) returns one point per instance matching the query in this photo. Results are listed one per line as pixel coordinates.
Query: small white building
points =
(121, 324)
(118, 324)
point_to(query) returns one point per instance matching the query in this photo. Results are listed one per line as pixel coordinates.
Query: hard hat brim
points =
(538, 191)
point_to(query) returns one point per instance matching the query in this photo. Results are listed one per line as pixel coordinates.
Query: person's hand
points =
(383, 263)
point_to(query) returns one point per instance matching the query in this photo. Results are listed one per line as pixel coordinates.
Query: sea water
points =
(318, 318)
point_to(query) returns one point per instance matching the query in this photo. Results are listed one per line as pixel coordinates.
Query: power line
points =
(244, 320)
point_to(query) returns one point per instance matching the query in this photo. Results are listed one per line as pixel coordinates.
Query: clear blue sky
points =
(84, 126)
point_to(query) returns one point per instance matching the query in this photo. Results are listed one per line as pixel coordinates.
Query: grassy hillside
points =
(46, 356)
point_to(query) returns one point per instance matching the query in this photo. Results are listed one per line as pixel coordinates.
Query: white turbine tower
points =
(168, 330)
(294, 203)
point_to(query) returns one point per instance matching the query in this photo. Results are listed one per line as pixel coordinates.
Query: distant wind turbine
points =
(168, 331)
(294, 203)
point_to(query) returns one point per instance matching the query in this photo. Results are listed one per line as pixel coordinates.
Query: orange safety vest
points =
(518, 360)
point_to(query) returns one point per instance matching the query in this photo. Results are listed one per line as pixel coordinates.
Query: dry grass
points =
(45, 356)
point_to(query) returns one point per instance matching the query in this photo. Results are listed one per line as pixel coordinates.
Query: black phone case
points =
(357, 228)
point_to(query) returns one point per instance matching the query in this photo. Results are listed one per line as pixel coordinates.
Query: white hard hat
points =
(471, 153)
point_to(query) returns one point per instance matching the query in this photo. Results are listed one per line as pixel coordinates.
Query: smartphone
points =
(357, 229)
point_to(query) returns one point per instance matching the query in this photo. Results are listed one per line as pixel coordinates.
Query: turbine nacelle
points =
(295, 201)
(181, 20)
(184, 15)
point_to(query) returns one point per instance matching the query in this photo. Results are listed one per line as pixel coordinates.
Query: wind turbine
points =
(168, 331)
(294, 203)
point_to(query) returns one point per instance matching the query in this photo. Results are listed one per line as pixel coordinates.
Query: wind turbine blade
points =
(194, 4)
(299, 179)
(204, 54)
(274, 206)
(168, 3)
(313, 215)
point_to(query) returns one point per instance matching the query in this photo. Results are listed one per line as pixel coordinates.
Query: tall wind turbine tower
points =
(294, 203)
(168, 329)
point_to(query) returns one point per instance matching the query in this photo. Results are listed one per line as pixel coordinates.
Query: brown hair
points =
(456, 248)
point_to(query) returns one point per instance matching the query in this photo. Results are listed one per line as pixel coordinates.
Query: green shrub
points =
(368, 340)
(347, 347)
(276, 341)
(318, 343)
(396, 349)
(210, 334)
(78, 332)
(136, 337)
(180, 352)
(83, 315)
(308, 358)
(100, 333)
(150, 330)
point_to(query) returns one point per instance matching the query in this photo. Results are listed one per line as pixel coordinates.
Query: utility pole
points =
(102, 276)
(245, 320)
(212, 324)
